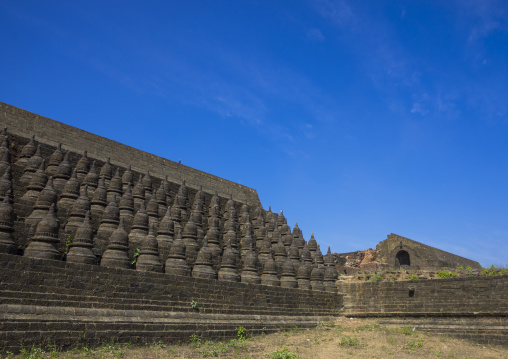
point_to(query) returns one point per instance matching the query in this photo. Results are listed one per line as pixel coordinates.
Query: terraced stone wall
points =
(24, 123)
(474, 308)
(55, 300)
(475, 296)
(76, 304)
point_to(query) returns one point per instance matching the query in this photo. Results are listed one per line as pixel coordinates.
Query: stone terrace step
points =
(479, 330)
(35, 325)
(87, 301)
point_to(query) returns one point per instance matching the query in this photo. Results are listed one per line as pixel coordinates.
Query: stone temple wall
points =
(396, 249)
(73, 304)
(25, 124)
(94, 247)
(473, 308)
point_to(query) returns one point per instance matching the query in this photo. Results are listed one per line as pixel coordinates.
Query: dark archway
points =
(403, 258)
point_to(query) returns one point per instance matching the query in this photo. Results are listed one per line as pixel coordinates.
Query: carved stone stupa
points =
(116, 254)
(7, 244)
(45, 240)
(203, 268)
(176, 263)
(227, 270)
(148, 259)
(80, 250)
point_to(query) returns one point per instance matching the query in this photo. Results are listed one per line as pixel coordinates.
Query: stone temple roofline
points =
(24, 123)
(396, 236)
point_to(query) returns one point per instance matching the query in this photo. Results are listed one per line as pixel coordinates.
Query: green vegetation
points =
(407, 330)
(413, 277)
(194, 305)
(492, 270)
(349, 342)
(32, 353)
(214, 349)
(375, 278)
(284, 354)
(446, 274)
(367, 327)
(211, 349)
(412, 346)
(358, 337)
(240, 333)
(68, 242)
(158, 345)
(195, 341)
(135, 256)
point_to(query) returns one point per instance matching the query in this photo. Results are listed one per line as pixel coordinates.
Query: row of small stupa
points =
(92, 215)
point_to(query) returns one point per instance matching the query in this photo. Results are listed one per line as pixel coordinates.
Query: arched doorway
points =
(403, 258)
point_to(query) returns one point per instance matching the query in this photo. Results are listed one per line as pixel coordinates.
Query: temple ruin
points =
(100, 241)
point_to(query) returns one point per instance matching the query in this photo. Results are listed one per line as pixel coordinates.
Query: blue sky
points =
(357, 118)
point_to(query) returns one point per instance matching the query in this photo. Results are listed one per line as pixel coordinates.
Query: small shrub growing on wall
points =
(492, 270)
(375, 278)
(446, 274)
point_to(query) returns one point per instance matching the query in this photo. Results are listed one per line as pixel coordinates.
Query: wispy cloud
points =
(409, 82)
(338, 11)
(487, 17)
(251, 89)
(315, 35)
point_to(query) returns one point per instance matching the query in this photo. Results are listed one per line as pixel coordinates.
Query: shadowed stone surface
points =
(303, 275)
(7, 244)
(269, 276)
(116, 254)
(203, 268)
(148, 259)
(80, 250)
(227, 270)
(176, 263)
(316, 278)
(288, 279)
(45, 240)
(249, 271)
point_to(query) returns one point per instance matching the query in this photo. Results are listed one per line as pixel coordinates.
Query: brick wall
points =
(24, 123)
(475, 296)
(71, 303)
(473, 308)
(421, 255)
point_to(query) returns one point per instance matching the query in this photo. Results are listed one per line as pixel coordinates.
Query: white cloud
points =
(336, 10)
(315, 35)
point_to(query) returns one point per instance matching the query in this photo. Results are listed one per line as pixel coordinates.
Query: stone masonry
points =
(102, 242)
(96, 249)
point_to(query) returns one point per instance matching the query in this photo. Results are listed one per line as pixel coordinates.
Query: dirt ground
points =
(344, 338)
